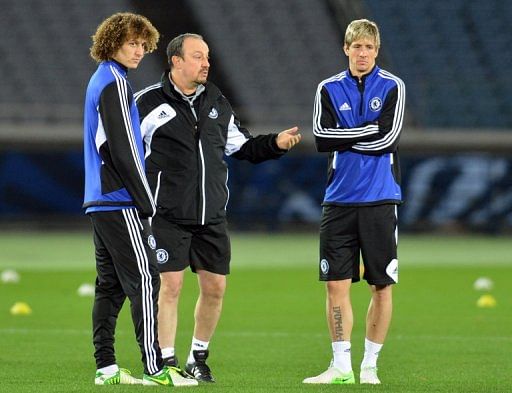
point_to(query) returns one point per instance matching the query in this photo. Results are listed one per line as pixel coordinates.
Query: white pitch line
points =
(264, 334)
(397, 337)
(69, 332)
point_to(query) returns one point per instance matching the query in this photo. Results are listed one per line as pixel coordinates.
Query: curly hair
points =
(114, 31)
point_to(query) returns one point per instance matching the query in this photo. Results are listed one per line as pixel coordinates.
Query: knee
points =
(170, 288)
(213, 289)
(338, 289)
(382, 294)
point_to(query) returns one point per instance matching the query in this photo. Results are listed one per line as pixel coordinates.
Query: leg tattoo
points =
(338, 326)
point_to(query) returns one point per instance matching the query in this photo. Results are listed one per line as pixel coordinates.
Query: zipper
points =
(227, 189)
(155, 197)
(202, 191)
(360, 87)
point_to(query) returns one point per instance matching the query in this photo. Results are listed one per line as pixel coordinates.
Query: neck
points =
(359, 75)
(185, 88)
(121, 64)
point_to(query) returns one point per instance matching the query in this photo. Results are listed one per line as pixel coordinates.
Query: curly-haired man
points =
(118, 201)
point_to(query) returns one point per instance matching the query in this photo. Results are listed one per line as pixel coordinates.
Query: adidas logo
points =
(163, 115)
(345, 107)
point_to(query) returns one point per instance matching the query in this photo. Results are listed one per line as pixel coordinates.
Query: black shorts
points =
(347, 232)
(202, 247)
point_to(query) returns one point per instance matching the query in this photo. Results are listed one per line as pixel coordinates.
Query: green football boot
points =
(121, 377)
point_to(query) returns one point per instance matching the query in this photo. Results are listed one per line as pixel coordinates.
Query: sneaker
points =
(169, 376)
(121, 377)
(199, 369)
(172, 361)
(332, 376)
(369, 375)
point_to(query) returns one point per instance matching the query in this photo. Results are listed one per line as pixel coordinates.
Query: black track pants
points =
(126, 267)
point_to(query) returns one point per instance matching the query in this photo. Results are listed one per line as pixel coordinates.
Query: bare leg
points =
(171, 283)
(379, 314)
(339, 310)
(339, 321)
(209, 304)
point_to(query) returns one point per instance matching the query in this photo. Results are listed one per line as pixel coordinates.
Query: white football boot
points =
(332, 376)
(368, 375)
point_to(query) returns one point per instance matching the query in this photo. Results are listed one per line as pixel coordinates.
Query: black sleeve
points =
(329, 136)
(114, 109)
(390, 125)
(259, 148)
(243, 146)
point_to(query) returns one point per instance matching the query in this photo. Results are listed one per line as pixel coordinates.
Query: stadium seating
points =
(45, 57)
(274, 53)
(452, 56)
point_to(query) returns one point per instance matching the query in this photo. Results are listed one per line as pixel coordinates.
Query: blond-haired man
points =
(357, 118)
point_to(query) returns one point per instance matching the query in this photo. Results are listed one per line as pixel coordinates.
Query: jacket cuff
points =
(276, 149)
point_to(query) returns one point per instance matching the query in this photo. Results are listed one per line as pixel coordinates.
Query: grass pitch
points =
(272, 333)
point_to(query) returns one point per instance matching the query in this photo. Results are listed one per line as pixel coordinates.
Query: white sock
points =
(371, 353)
(114, 368)
(341, 358)
(197, 345)
(167, 352)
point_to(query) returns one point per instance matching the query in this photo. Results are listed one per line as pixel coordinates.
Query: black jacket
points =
(185, 139)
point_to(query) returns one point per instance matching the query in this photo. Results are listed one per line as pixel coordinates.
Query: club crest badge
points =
(375, 104)
(324, 266)
(162, 256)
(213, 114)
(151, 242)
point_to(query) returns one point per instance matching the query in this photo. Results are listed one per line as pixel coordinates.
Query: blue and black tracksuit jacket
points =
(359, 121)
(113, 151)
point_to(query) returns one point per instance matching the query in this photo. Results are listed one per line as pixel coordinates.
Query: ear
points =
(176, 60)
(345, 49)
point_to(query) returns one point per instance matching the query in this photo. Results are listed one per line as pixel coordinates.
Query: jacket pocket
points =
(178, 194)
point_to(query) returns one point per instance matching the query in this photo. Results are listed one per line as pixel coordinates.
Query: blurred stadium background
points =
(267, 57)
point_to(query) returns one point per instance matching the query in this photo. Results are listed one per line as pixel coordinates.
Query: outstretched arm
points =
(243, 146)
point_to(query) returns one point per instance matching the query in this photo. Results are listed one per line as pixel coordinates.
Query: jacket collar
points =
(365, 77)
(121, 68)
(173, 91)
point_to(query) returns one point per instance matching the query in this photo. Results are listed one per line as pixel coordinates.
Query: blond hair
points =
(114, 31)
(362, 28)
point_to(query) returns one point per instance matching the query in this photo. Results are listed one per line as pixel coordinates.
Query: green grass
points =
(272, 333)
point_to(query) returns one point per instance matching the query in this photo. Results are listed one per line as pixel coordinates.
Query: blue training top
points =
(359, 122)
(113, 152)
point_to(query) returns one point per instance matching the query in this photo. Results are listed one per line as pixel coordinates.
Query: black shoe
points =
(173, 362)
(199, 369)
